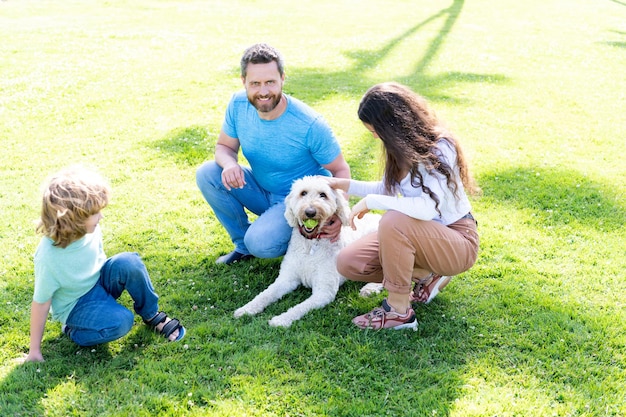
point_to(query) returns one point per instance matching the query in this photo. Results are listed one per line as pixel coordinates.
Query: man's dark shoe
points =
(231, 258)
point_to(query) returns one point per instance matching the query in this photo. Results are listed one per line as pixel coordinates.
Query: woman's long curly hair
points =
(409, 131)
(70, 197)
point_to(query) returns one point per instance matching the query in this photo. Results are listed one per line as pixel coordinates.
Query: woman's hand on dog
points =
(337, 183)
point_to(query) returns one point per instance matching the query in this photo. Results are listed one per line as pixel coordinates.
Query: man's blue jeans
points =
(97, 317)
(266, 237)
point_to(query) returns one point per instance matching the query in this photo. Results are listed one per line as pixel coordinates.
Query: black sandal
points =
(169, 328)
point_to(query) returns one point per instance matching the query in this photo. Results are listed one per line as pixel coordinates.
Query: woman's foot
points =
(426, 290)
(385, 317)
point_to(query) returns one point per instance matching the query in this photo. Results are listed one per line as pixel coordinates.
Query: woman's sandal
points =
(169, 328)
(428, 287)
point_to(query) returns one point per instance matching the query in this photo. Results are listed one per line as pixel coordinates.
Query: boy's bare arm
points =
(38, 317)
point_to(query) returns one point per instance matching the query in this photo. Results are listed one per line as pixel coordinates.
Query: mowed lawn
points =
(536, 92)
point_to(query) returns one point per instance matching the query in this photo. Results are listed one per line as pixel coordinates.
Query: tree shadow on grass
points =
(65, 362)
(617, 44)
(529, 323)
(187, 146)
(85, 375)
(564, 350)
(313, 85)
(354, 80)
(557, 196)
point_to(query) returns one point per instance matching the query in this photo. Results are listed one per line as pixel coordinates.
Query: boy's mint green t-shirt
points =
(66, 274)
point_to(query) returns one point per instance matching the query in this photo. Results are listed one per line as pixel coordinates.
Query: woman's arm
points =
(422, 208)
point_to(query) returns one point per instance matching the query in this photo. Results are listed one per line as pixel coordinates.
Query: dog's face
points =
(311, 203)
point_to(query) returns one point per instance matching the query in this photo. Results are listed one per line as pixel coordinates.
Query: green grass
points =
(536, 91)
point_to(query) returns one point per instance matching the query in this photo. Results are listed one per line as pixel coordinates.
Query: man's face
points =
(264, 86)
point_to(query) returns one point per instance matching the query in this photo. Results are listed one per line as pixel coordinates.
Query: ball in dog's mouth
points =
(310, 224)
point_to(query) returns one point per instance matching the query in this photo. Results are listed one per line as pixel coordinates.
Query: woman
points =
(427, 233)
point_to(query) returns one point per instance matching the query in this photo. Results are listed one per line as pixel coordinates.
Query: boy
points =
(73, 277)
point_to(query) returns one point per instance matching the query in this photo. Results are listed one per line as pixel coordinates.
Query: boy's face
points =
(92, 222)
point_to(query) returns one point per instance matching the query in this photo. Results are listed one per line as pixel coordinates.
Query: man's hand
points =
(233, 177)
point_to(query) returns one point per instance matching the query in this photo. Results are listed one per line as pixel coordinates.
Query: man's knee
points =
(265, 247)
(263, 243)
(207, 173)
(268, 236)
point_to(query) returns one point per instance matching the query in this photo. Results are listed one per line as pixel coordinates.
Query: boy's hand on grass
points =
(33, 357)
(25, 358)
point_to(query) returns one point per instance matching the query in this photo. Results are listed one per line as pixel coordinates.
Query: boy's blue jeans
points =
(266, 237)
(97, 317)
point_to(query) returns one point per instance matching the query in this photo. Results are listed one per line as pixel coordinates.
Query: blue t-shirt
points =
(66, 274)
(283, 150)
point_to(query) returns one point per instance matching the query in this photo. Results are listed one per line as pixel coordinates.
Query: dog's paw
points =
(253, 308)
(280, 321)
(242, 311)
(370, 289)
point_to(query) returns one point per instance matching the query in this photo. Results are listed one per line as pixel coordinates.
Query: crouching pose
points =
(428, 233)
(73, 277)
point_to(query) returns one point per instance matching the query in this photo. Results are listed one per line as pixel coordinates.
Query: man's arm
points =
(339, 167)
(38, 317)
(226, 156)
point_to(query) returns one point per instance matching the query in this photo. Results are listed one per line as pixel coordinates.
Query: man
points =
(282, 139)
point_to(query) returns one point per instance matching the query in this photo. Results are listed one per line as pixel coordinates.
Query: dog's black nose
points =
(310, 212)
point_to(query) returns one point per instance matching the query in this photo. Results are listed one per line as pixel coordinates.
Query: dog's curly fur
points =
(310, 261)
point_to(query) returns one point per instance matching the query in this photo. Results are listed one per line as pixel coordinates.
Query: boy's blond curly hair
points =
(70, 197)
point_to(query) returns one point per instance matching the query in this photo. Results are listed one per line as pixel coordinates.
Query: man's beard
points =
(266, 106)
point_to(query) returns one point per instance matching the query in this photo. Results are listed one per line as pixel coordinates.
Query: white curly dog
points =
(310, 261)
